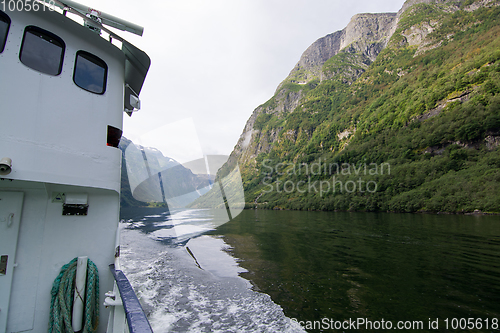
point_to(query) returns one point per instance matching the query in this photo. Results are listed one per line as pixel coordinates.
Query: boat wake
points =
(193, 285)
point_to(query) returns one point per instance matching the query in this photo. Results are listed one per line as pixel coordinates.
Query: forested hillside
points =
(405, 118)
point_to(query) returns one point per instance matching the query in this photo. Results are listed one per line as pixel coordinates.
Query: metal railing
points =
(136, 318)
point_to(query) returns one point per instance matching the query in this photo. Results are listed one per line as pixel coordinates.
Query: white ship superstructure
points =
(63, 92)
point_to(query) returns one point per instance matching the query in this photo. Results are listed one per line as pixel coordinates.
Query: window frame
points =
(5, 18)
(47, 34)
(96, 61)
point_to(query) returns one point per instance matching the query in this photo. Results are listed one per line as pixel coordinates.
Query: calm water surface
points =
(341, 266)
(352, 265)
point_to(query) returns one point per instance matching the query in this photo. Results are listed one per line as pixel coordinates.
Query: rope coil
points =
(61, 304)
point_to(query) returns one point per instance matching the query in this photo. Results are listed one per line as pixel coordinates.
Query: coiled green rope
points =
(61, 304)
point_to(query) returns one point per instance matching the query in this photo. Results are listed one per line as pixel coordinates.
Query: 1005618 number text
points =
(27, 5)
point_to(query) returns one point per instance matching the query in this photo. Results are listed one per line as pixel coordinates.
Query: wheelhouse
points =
(64, 89)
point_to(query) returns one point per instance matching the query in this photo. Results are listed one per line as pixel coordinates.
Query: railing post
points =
(117, 318)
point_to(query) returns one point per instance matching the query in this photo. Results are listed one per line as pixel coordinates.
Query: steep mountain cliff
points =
(396, 112)
(361, 41)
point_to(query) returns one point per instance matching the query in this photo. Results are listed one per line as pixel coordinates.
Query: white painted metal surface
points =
(10, 220)
(53, 130)
(56, 135)
(48, 240)
(117, 318)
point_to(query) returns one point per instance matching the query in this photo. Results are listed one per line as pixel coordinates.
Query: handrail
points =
(136, 319)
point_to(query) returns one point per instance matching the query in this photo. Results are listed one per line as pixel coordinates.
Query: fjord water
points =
(404, 267)
(315, 265)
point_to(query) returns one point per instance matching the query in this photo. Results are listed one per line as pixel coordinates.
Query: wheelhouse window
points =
(4, 29)
(42, 51)
(90, 72)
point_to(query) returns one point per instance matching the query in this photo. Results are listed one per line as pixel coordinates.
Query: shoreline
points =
(475, 212)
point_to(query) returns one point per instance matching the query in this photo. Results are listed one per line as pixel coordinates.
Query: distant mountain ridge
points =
(176, 179)
(382, 82)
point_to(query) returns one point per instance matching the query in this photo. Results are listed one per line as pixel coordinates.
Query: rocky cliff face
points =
(365, 37)
(366, 34)
(417, 91)
(359, 43)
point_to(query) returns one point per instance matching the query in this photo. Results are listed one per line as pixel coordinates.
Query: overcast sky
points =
(215, 61)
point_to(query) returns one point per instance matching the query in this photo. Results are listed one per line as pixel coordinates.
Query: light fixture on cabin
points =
(5, 166)
(76, 204)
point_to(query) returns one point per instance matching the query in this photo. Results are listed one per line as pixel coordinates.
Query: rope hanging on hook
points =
(61, 304)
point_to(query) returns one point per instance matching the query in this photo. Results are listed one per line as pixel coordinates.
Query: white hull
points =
(46, 241)
(64, 92)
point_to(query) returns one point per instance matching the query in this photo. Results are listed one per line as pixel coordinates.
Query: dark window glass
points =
(114, 136)
(90, 72)
(4, 29)
(42, 50)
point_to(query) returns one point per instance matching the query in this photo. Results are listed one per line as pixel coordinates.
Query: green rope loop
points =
(61, 304)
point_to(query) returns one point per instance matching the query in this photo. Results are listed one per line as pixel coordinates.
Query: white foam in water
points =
(184, 224)
(178, 296)
(179, 232)
(132, 224)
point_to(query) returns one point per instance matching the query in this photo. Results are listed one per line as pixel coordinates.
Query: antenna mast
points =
(96, 18)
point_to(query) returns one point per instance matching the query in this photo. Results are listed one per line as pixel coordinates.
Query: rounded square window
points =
(42, 51)
(90, 72)
(4, 29)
